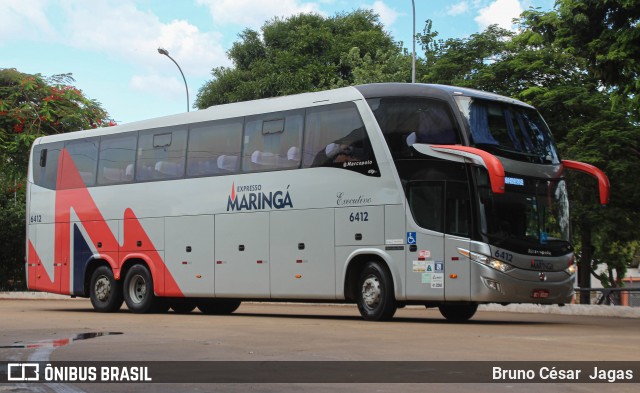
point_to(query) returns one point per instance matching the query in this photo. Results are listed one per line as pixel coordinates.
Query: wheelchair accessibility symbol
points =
(411, 238)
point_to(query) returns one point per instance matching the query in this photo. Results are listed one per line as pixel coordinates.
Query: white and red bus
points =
(384, 195)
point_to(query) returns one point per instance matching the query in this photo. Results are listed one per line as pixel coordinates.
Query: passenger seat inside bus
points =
(227, 163)
(167, 168)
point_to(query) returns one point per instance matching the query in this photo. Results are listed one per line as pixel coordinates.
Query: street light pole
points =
(166, 53)
(413, 39)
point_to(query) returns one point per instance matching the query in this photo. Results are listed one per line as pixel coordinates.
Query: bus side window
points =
(161, 154)
(117, 158)
(408, 120)
(84, 154)
(335, 134)
(47, 175)
(273, 141)
(214, 148)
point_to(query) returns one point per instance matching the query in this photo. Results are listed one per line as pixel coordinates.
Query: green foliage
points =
(543, 65)
(306, 52)
(32, 106)
(390, 66)
(12, 238)
(606, 33)
(462, 62)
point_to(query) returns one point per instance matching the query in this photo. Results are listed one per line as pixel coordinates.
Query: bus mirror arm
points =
(460, 153)
(603, 180)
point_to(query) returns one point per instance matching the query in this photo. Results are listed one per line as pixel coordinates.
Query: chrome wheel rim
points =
(102, 288)
(371, 292)
(137, 289)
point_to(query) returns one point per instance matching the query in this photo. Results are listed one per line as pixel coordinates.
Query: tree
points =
(594, 111)
(606, 34)
(537, 67)
(32, 106)
(462, 61)
(305, 52)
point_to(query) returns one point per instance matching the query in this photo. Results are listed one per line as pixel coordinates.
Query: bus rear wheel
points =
(105, 291)
(138, 292)
(218, 306)
(375, 298)
(458, 312)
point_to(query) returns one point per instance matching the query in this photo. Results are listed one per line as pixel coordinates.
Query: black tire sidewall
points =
(182, 306)
(147, 303)
(114, 302)
(218, 306)
(458, 313)
(387, 306)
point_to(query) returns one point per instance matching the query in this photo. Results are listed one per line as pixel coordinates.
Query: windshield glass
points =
(531, 214)
(510, 131)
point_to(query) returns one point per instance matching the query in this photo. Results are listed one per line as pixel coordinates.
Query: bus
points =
(383, 195)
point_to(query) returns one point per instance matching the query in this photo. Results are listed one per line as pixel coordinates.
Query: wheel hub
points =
(102, 288)
(138, 289)
(371, 291)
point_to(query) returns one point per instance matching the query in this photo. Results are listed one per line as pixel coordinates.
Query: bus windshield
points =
(510, 131)
(531, 214)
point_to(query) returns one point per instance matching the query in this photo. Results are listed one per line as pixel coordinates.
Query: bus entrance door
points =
(425, 267)
(457, 281)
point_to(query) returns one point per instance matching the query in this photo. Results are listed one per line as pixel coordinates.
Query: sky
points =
(110, 46)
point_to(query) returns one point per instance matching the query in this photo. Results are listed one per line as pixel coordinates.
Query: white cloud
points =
(388, 15)
(115, 27)
(254, 13)
(24, 19)
(458, 8)
(499, 12)
(164, 86)
(124, 31)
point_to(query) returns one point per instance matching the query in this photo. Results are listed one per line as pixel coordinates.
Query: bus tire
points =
(375, 297)
(183, 306)
(458, 312)
(105, 291)
(138, 292)
(218, 306)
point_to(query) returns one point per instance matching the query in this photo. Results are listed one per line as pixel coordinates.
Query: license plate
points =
(540, 293)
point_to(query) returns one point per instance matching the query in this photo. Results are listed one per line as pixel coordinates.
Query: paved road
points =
(292, 332)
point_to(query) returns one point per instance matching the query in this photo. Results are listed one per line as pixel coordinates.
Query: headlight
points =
(570, 270)
(486, 260)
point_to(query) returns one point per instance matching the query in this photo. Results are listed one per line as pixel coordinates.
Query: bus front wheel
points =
(458, 312)
(138, 292)
(105, 291)
(375, 298)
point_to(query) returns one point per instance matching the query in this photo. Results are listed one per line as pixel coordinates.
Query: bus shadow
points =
(397, 319)
(324, 317)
